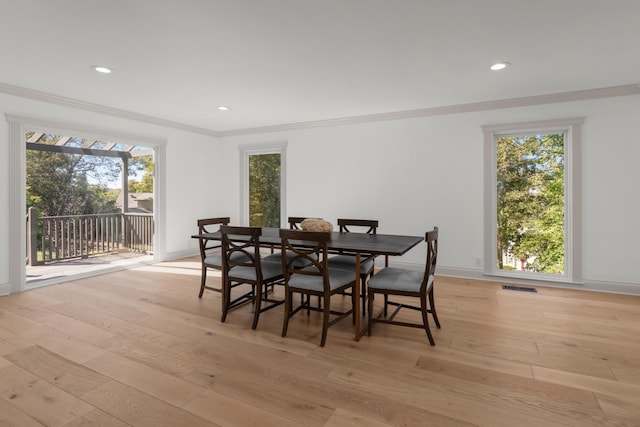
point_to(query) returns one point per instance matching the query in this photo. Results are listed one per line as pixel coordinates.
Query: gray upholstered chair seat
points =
(348, 225)
(310, 281)
(254, 275)
(349, 262)
(216, 259)
(297, 263)
(398, 279)
(337, 277)
(208, 248)
(269, 271)
(395, 282)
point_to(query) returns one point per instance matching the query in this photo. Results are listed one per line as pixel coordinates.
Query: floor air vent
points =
(519, 288)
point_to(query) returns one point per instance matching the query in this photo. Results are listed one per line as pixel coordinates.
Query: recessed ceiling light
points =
(103, 70)
(223, 108)
(499, 66)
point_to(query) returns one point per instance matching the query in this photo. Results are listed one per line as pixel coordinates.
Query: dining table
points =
(362, 246)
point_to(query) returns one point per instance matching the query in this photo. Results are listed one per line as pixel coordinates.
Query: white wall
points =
(194, 170)
(4, 206)
(410, 174)
(413, 174)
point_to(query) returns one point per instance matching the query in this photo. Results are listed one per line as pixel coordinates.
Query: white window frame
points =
(572, 128)
(18, 127)
(278, 147)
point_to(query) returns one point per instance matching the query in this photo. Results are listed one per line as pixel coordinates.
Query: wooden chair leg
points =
(370, 320)
(353, 304)
(287, 311)
(256, 306)
(363, 293)
(433, 308)
(203, 281)
(386, 302)
(325, 319)
(226, 292)
(425, 319)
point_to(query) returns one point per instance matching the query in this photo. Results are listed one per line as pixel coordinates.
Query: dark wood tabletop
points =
(362, 245)
(373, 244)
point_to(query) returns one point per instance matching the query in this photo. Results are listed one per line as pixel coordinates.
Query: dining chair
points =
(248, 269)
(314, 279)
(294, 224)
(348, 261)
(295, 221)
(210, 255)
(391, 281)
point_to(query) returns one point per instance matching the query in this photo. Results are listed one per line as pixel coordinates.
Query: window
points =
(532, 200)
(19, 127)
(262, 202)
(81, 202)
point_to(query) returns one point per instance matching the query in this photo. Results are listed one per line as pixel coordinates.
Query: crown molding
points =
(526, 101)
(97, 108)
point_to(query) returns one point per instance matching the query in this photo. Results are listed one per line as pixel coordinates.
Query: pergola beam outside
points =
(77, 150)
(88, 143)
(63, 141)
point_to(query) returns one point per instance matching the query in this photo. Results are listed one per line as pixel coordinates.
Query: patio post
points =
(125, 202)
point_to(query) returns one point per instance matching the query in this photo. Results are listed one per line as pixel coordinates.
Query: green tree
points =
(145, 185)
(530, 176)
(264, 190)
(545, 240)
(57, 183)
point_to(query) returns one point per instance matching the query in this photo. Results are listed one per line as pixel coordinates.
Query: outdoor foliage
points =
(264, 190)
(140, 164)
(530, 177)
(58, 183)
(71, 184)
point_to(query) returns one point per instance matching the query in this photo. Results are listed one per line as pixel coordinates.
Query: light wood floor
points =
(139, 348)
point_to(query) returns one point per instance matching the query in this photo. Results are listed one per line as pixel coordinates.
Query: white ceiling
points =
(276, 62)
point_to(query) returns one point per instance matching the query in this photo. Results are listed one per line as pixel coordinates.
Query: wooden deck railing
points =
(138, 232)
(79, 236)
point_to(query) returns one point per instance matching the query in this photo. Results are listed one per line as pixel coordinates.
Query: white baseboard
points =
(478, 274)
(186, 253)
(612, 287)
(463, 273)
(5, 289)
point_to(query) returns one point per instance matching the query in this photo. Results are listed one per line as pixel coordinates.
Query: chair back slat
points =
(431, 237)
(312, 253)
(370, 225)
(208, 225)
(249, 245)
(294, 222)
